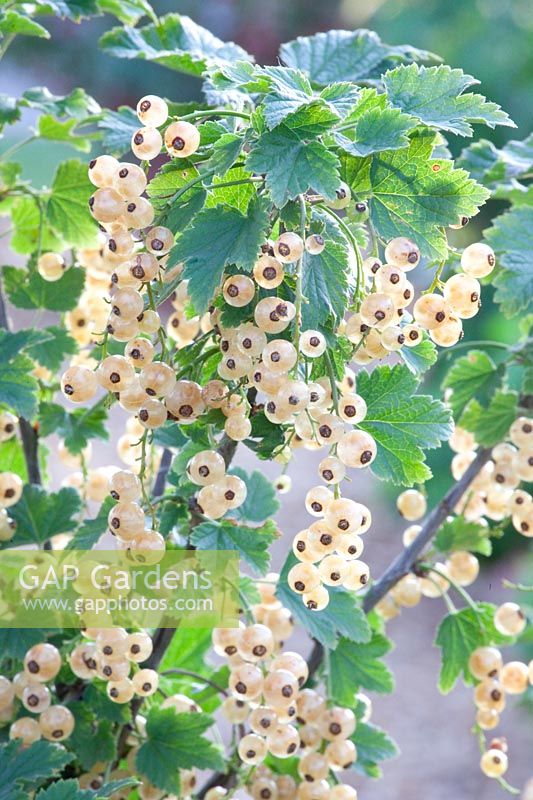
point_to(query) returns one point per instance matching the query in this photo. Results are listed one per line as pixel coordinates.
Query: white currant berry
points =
(182, 139)
(315, 243)
(343, 195)
(288, 248)
(152, 110)
(478, 260)
(146, 143)
(411, 504)
(402, 253)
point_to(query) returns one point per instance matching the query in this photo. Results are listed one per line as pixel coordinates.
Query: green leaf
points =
(354, 666)
(265, 436)
(499, 169)
(52, 351)
(9, 110)
(342, 617)
(458, 635)
(472, 375)
(65, 790)
(174, 742)
(12, 458)
(90, 530)
(373, 745)
(175, 42)
(436, 96)
(238, 196)
(188, 649)
(376, 127)
(57, 131)
(127, 11)
(104, 708)
(403, 423)
(92, 738)
(460, 534)
(251, 543)
(491, 425)
(77, 104)
(225, 152)
(26, 768)
(15, 642)
(27, 223)
(40, 515)
(67, 209)
(421, 357)
(117, 129)
(217, 238)
(510, 237)
(292, 93)
(293, 166)
(261, 501)
(413, 194)
(180, 212)
(345, 55)
(74, 10)
(26, 289)
(327, 277)
(76, 427)
(14, 24)
(18, 387)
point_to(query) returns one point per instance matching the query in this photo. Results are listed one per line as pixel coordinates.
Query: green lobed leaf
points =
(373, 745)
(77, 104)
(510, 237)
(327, 278)
(412, 194)
(458, 635)
(251, 543)
(217, 238)
(490, 425)
(460, 534)
(9, 110)
(343, 616)
(55, 130)
(31, 226)
(26, 289)
(419, 358)
(127, 11)
(14, 24)
(74, 10)
(55, 346)
(40, 515)
(103, 708)
(436, 95)
(345, 55)
(403, 423)
(175, 42)
(65, 790)
(353, 666)
(15, 642)
(293, 166)
(261, 501)
(92, 738)
(376, 126)
(472, 375)
(29, 767)
(76, 427)
(67, 209)
(18, 387)
(174, 742)
(499, 169)
(88, 533)
(117, 129)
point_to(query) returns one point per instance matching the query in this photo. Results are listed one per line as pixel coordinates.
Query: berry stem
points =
(459, 589)
(215, 112)
(198, 677)
(355, 247)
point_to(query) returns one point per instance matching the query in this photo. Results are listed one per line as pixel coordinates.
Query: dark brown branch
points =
(408, 557)
(162, 472)
(28, 433)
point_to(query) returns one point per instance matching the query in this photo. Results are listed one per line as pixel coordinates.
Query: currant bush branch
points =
(406, 560)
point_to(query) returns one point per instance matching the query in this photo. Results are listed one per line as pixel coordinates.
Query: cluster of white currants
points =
(220, 492)
(383, 324)
(494, 681)
(329, 549)
(42, 663)
(110, 654)
(284, 719)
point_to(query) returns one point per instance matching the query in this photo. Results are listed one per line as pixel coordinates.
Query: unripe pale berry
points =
(182, 139)
(152, 110)
(146, 143)
(56, 723)
(478, 260)
(411, 504)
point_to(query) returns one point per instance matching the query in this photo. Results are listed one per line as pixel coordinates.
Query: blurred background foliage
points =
(490, 39)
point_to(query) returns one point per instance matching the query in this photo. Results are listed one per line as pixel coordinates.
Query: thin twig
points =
(406, 560)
